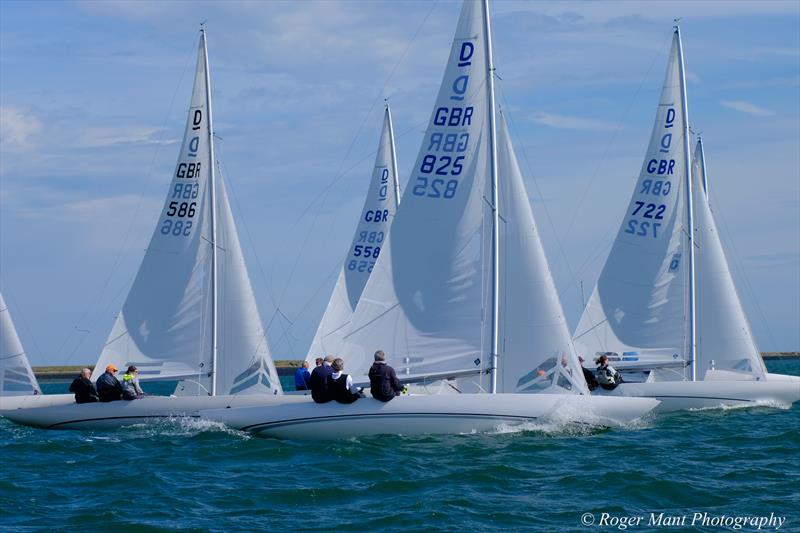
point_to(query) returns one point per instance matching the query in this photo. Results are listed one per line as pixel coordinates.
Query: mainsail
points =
(725, 341)
(377, 214)
(639, 305)
(16, 376)
(427, 303)
(185, 296)
(423, 302)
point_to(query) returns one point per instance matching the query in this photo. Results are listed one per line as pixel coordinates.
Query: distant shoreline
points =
(285, 367)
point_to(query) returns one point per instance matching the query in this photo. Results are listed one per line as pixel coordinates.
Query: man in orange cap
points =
(108, 386)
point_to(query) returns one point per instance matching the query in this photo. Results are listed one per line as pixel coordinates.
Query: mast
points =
(395, 182)
(495, 341)
(689, 211)
(213, 202)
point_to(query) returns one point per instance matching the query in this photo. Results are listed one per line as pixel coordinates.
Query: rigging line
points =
(145, 185)
(614, 136)
(375, 100)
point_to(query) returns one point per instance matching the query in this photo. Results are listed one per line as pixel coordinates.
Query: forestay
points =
(423, 302)
(536, 351)
(377, 214)
(16, 376)
(725, 339)
(165, 325)
(639, 303)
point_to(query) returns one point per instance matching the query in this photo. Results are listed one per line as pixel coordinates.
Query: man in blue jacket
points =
(301, 377)
(108, 386)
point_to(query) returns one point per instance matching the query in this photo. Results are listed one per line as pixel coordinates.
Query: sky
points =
(93, 99)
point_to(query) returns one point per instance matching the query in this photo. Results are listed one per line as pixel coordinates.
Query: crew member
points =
(301, 377)
(131, 390)
(340, 386)
(383, 382)
(108, 386)
(318, 382)
(588, 375)
(83, 388)
(607, 376)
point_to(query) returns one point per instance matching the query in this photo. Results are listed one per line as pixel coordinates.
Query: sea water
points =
(200, 476)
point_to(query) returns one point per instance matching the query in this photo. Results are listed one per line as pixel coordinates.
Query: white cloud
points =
(133, 135)
(17, 127)
(572, 123)
(746, 107)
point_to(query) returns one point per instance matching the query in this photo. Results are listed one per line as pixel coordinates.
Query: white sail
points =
(16, 376)
(165, 326)
(639, 304)
(377, 214)
(423, 302)
(245, 364)
(536, 351)
(724, 337)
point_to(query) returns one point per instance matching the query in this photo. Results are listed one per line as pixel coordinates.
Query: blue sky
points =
(93, 98)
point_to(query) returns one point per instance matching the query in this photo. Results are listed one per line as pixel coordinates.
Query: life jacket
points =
(339, 391)
(604, 377)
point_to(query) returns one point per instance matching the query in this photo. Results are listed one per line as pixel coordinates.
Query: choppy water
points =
(195, 476)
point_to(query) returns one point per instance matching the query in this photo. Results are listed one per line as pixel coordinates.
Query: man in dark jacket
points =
(383, 381)
(108, 386)
(318, 382)
(83, 388)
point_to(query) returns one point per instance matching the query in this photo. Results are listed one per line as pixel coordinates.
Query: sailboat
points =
(372, 230)
(444, 300)
(190, 315)
(665, 304)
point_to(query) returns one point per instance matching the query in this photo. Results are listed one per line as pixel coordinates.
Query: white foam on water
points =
(757, 403)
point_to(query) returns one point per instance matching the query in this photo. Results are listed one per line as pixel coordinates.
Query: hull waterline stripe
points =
(311, 420)
(171, 415)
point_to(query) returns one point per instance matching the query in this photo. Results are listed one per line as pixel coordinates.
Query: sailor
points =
(318, 382)
(130, 384)
(607, 376)
(83, 388)
(340, 386)
(588, 375)
(108, 386)
(301, 377)
(383, 382)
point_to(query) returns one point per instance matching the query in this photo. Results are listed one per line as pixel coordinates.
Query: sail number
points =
(643, 228)
(178, 211)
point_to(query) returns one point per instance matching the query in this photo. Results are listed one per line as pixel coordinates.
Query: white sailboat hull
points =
(34, 400)
(426, 414)
(113, 415)
(777, 390)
